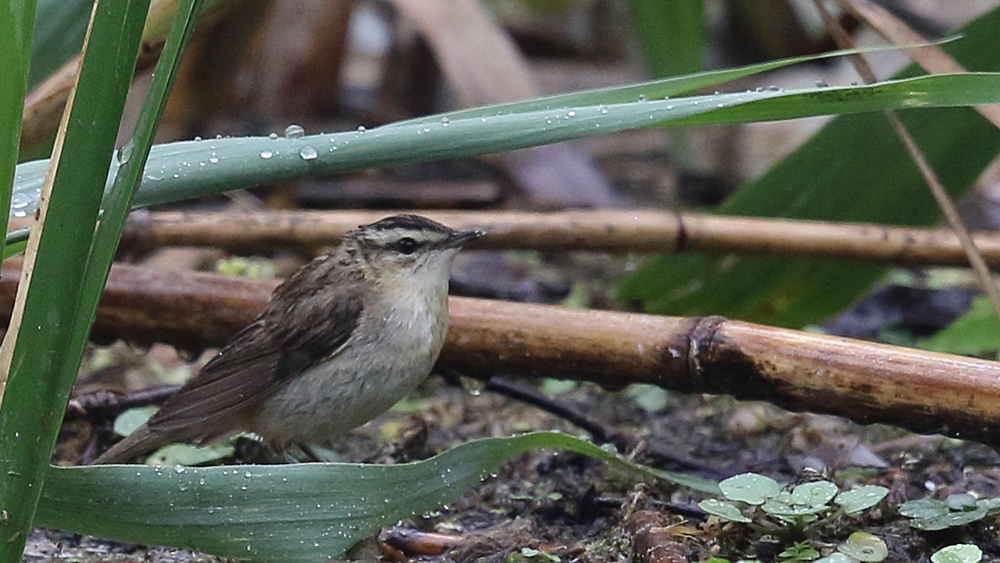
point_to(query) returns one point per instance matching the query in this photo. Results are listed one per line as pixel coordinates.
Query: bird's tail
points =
(140, 442)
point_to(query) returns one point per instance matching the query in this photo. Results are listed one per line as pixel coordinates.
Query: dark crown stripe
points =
(409, 222)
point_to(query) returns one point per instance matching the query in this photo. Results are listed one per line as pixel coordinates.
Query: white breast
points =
(371, 373)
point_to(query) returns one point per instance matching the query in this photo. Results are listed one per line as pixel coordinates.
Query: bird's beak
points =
(459, 238)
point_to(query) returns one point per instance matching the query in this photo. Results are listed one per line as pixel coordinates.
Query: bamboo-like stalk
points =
(612, 231)
(865, 382)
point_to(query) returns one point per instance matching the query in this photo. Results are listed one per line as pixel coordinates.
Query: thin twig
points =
(598, 430)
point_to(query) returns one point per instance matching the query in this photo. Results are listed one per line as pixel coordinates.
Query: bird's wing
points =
(264, 355)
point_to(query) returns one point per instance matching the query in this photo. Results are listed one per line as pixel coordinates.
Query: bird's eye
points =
(406, 245)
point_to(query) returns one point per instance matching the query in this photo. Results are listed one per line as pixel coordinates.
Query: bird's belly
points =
(363, 381)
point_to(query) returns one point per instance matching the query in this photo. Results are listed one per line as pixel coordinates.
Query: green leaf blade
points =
(853, 170)
(194, 168)
(45, 356)
(302, 512)
(15, 44)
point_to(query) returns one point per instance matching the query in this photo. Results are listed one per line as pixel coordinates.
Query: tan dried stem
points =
(639, 231)
(865, 382)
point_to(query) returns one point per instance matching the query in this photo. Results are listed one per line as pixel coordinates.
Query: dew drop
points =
(213, 159)
(445, 122)
(821, 84)
(361, 129)
(570, 114)
(294, 131)
(19, 201)
(124, 153)
(308, 153)
(179, 469)
(197, 138)
(266, 154)
(603, 109)
(273, 136)
(642, 97)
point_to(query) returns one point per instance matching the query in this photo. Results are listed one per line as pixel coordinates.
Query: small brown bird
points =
(342, 340)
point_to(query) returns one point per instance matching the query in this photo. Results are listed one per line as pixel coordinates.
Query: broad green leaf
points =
(855, 169)
(862, 498)
(817, 493)
(750, 488)
(950, 520)
(923, 508)
(672, 35)
(287, 513)
(59, 29)
(723, 509)
(977, 332)
(788, 511)
(128, 421)
(864, 547)
(960, 553)
(961, 501)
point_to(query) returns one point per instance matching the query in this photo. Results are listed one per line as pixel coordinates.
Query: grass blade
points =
(133, 155)
(187, 169)
(40, 354)
(15, 44)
